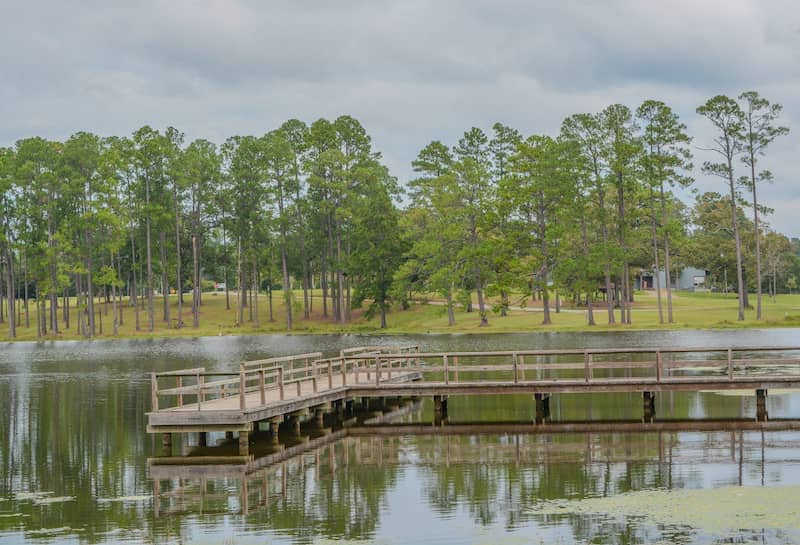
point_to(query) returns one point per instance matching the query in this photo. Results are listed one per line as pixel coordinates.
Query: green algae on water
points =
(717, 510)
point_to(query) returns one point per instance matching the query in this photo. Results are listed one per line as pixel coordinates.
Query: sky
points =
(410, 71)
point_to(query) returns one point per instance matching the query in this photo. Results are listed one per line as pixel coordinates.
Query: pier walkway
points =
(286, 390)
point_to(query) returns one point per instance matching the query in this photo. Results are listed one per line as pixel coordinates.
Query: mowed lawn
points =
(691, 310)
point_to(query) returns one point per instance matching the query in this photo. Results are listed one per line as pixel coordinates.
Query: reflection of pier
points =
(191, 483)
(283, 392)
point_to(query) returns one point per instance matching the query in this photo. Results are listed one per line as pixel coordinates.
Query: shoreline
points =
(619, 328)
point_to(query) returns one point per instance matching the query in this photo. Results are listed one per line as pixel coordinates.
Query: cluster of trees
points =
(503, 217)
(581, 210)
(105, 218)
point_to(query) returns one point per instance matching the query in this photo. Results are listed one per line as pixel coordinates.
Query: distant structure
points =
(690, 279)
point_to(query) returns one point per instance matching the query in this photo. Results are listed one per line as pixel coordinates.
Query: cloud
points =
(410, 70)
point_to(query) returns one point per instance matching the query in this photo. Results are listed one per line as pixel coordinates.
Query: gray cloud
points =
(411, 71)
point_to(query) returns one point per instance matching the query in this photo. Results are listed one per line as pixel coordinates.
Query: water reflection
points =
(73, 453)
(337, 481)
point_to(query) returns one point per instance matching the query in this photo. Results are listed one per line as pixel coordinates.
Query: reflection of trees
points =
(79, 438)
(337, 495)
(503, 477)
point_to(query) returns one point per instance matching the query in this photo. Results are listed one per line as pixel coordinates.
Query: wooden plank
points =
(283, 359)
(154, 391)
(183, 372)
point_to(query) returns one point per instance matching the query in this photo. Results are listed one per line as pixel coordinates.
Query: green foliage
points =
(498, 219)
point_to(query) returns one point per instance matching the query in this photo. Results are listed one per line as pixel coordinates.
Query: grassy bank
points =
(691, 310)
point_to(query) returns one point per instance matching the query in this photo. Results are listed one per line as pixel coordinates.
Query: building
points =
(690, 279)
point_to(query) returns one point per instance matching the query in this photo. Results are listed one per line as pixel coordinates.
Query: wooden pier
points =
(287, 390)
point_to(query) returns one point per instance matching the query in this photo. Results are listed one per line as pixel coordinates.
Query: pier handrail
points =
(290, 376)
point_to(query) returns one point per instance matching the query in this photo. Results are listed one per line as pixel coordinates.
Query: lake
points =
(74, 457)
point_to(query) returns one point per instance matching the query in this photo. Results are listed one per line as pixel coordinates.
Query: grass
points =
(691, 310)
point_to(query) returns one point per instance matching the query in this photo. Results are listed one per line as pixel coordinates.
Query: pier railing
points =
(277, 379)
(286, 377)
(593, 365)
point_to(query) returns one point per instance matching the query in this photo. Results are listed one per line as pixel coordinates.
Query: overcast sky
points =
(410, 71)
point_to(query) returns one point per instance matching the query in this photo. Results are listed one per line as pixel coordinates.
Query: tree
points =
(472, 184)
(759, 130)
(279, 164)
(622, 150)
(431, 230)
(726, 116)
(586, 133)
(666, 155)
(200, 173)
(537, 195)
(377, 249)
(7, 221)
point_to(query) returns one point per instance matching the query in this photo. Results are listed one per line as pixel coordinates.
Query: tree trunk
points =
(323, 279)
(150, 301)
(589, 309)
(735, 225)
(287, 294)
(656, 276)
(10, 290)
(65, 308)
(667, 263)
(481, 302)
(758, 236)
(607, 274)
(162, 241)
(451, 318)
(196, 284)
(271, 317)
(178, 275)
(545, 298)
(25, 287)
(340, 287)
(114, 302)
(240, 282)
(256, 287)
(623, 288)
(383, 302)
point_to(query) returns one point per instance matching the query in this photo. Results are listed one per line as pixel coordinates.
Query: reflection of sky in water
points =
(75, 419)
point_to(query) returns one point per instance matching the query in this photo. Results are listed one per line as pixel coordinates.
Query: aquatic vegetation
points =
(143, 497)
(718, 510)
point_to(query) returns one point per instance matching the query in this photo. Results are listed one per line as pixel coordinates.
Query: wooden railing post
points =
(330, 374)
(154, 391)
(314, 376)
(446, 370)
(521, 361)
(377, 371)
(242, 391)
(344, 372)
(514, 365)
(179, 383)
(659, 365)
(262, 386)
(199, 391)
(299, 387)
(587, 359)
(455, 368)
(280, 383)
(730, 364)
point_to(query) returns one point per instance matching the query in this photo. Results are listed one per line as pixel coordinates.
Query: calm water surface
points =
(74, 455)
